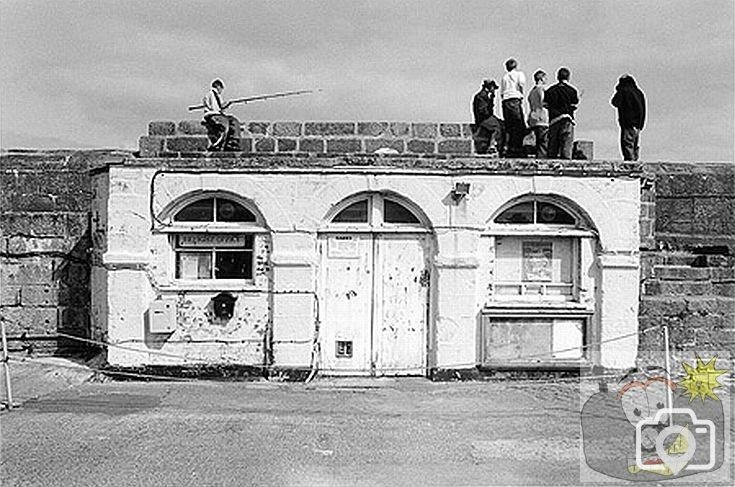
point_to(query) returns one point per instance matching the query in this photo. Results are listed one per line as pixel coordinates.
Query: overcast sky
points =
(94, 73)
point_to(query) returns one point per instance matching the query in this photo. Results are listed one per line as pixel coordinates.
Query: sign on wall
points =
(537, 258)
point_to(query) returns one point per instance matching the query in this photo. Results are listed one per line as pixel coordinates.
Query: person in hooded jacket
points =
(631, 105)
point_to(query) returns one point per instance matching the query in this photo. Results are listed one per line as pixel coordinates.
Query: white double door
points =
(374, 303)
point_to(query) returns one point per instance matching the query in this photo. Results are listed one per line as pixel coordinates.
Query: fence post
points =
(8, 393)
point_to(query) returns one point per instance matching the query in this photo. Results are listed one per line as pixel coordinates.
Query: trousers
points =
(629, 137)
(561, 138)
(515, 126)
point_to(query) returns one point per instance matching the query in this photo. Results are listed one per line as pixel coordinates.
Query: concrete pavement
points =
(330, 432)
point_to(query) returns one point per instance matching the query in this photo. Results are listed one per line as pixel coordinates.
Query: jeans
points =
(515, 126)
(541, 132)
(561, 137)
(629, 143)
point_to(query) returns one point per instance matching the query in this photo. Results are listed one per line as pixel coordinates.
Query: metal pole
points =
(669, 393)
(8, 393)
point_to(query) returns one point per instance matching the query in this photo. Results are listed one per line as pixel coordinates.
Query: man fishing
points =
(214, 115)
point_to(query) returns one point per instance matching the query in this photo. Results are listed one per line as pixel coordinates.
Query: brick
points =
(454, 146)
(192, 127)
(187, 144)
(35, 225)
(329, 128)
(344, 145)
(265, 144)
(674, 215)
(423, 130)
(31, 320)
(149, 146)
(711, 305)
(421, 146)
(400, 129)
(714, 216)
(258, 128)
(161, 128)
(287, 129)
(21, 244)
(10, 295)
(371, 145)
(286, 145)
(39, 295)
(724, 289)
(372, 129)
(27, 271)
(681, 273)
(662, 307)
(76, 224)
(311, 145)
(450, 130)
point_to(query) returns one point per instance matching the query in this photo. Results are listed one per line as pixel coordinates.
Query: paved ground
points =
(346, 432)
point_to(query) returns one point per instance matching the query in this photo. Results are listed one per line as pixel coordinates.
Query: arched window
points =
(214, 238)
(376, 210)
(537, 246)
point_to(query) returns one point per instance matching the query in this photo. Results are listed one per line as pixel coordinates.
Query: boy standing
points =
(538, 118)
(561, 100)
(511, 91)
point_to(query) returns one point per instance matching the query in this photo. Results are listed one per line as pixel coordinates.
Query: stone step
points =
(688, 273)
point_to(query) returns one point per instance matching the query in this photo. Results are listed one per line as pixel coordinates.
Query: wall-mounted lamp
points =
(460, 191)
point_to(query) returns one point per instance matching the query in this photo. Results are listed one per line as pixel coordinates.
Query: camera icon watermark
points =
(656, 423)
(676, 456)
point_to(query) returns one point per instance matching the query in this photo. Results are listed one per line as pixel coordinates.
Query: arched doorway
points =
(374, 287)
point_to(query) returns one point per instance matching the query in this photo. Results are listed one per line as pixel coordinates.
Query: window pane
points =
(552, 214)
(396, 213)
(233, 265)
(199, 211)
(520, 213)
(355, 213)
(193, 265)
(229, 211)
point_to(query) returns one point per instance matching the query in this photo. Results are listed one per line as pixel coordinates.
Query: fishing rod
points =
(260, 97)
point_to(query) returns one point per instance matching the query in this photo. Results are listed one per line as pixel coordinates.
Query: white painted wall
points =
(137, 261)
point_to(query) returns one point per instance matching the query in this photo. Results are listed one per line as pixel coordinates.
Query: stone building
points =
(310, 250)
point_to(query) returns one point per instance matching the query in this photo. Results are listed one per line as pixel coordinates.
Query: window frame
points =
(375, 216)
(252, 230)
(536, 231)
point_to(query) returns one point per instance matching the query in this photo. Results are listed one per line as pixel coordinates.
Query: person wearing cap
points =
(214, 115)
(538, 118)
(631, 105)
(511, 92)
(487, 130)
(561, 100)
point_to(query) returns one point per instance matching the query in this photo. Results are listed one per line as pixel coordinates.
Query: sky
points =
(81, 74)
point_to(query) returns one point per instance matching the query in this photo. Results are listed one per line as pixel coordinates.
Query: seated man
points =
(488, 130)
(226, 127)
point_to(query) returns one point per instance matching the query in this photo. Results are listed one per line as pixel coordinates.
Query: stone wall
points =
(688, 255)
(687, 231)
(188, 138)
(44, 246)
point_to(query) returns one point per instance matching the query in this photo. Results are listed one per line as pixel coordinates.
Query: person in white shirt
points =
(214, 114)
(538, 118)
(511, 91)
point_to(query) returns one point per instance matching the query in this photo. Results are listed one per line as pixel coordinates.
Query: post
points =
(8, 393)
(669, 394)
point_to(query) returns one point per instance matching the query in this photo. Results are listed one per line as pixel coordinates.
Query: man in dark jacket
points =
(561, 101)
(487, 131)
(631, 105)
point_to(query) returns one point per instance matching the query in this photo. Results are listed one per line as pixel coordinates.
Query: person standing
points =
(561, 100)
(214, 114)
(487, 130)
(538, 118)
(631, 105)
(511, 92)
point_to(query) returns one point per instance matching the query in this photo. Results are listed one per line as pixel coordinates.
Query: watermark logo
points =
(650, 425)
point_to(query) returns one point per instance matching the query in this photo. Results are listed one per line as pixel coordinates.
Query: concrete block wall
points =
(168, 138)
(44, 246)
(688, 255)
